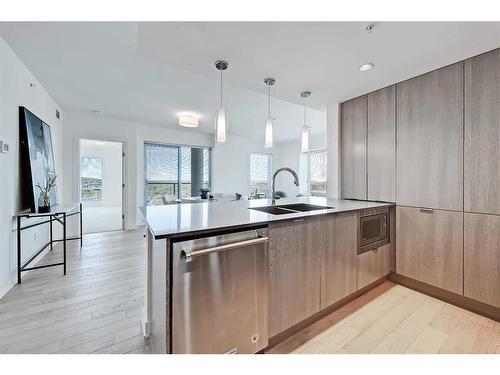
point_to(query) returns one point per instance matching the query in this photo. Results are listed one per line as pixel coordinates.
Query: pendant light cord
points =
(221, 88)
(269, 106)
(305, 117)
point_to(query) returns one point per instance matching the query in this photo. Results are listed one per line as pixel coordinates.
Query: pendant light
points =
(220, 114)
(268, 140)
(305, 128)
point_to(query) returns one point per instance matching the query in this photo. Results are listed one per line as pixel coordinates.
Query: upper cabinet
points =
(430, 140)
(381, 145)
(353, 143)
(482, 134)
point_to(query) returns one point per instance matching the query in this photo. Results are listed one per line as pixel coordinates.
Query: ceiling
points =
(154, 71)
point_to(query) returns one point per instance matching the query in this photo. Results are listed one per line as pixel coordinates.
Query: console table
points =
(58, 213)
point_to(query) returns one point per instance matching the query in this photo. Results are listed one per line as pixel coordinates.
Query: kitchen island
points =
(310, 265)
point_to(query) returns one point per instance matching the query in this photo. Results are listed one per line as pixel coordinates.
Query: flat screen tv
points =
(36, 157)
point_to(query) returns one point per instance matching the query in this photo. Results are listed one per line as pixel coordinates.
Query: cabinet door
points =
(429, 247)
(373, 265)
(353, 131)
(482, 258)
(338, 240)
(381, 145)
(430, 140)
(482, 133)
(294, 272)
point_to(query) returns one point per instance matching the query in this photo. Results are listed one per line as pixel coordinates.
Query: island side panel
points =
(160, 294)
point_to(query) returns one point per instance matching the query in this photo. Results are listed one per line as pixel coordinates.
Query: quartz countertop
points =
(185, 219)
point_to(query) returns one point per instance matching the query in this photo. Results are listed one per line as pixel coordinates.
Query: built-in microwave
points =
(373, 229)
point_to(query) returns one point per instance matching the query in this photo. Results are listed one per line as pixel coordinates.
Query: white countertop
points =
(189, 218)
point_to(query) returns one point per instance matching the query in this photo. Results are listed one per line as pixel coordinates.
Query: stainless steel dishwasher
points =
(219, 294)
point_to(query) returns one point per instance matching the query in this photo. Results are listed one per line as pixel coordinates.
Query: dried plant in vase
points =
(44, 198)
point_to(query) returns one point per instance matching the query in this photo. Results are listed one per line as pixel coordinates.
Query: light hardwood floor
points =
(394, 319)
(95, 308)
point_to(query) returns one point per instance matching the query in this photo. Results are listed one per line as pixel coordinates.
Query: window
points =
(166, 167)
(260, 174)
(91, 170)
(316, 172)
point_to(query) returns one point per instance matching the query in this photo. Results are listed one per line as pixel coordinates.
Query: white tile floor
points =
(101, 218)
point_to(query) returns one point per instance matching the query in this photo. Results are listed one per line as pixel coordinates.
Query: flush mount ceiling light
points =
(268, 141)
(365, 67)
(188, 121)
(220, 114)
(304, 141)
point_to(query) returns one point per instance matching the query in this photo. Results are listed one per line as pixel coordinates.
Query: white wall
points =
(15, 91)
(333, 154)
(231, 165)
(133, 134)
(111, 155)
(289, 155)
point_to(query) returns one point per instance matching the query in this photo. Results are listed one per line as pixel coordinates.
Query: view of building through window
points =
(91, 175)
(260, 173)
(316, 176)
(169, 166)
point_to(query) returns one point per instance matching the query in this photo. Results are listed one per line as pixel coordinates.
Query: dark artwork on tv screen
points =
(37, 158)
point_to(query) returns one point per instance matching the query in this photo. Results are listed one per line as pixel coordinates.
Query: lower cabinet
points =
(312, 264)
(482, 258)
(339, 240)
(373, 265)
(294, 272)
(429, 247)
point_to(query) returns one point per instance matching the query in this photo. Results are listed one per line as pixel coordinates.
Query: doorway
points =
(101, 185)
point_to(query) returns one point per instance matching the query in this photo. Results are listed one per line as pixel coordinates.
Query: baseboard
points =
(146, 328)
(12, 281)
(458, 300)
(6, 287)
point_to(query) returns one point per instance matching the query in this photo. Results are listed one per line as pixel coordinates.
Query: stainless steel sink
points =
(290, 208)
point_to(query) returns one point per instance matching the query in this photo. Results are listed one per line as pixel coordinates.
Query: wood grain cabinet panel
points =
(353, 143)
(482, 258)
(373, 265)
(294, 272)
(482, 133)
(381, 145)
(429, 247)
(430, 140)
(338, 242)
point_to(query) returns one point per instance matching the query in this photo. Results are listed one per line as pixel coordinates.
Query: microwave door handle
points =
(188, 254)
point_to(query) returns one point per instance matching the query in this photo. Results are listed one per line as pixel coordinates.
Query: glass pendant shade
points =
(305, 138)
(268, 141)
(220, 125)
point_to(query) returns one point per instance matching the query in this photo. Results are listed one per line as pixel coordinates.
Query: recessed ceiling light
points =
(188, 121)
(365, 67)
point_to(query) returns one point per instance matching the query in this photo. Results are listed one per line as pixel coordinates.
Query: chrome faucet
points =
(296, 180)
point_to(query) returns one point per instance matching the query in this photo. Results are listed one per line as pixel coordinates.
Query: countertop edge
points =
(191, 233)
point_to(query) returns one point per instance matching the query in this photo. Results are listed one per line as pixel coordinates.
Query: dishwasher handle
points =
(188, 254)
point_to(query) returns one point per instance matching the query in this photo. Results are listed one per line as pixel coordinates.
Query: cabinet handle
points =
(427, 210)
(297, 220)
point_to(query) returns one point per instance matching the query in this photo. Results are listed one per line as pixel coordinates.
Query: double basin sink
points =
(290, 208)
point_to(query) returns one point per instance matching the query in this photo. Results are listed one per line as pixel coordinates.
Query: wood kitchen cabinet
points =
(482, 133)
(482, 258)
(429, 247)
(373, 265)
(353, 146)
(381, 145)
(294, 272)
(338, 242)
(430, 140)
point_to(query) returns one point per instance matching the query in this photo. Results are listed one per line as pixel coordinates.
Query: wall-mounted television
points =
(36, 159)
